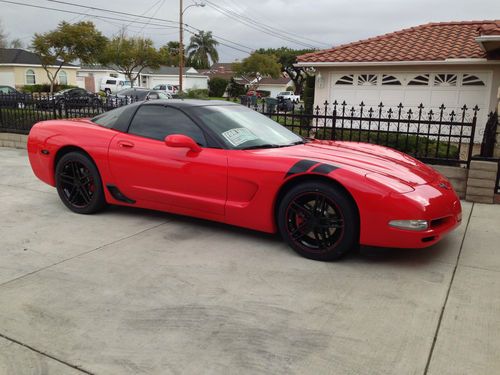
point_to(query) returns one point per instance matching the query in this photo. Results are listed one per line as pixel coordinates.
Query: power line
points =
(249, 49)
(151, 18)
(241, 11)
(258, 25)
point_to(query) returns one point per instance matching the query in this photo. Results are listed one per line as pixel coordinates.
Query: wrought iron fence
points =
(433, 135)
(19, 112)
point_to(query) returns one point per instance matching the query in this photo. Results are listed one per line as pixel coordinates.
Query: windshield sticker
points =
(238, 136)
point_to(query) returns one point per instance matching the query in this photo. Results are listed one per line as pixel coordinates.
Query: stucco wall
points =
(40, 75)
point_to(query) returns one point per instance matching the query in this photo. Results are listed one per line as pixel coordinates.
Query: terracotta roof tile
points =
(430, 42)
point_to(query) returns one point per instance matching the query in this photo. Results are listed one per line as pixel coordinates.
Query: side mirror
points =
(180, 140)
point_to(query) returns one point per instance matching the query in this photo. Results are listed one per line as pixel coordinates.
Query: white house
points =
(169, 74)
(275, 85)
(89, 77)
(450, 63)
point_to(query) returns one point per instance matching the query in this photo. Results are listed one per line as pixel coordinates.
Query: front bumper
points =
(439, 206)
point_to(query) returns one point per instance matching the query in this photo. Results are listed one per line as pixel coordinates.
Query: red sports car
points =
(222, 161)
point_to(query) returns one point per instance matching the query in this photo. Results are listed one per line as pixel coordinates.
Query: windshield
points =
(243, 128)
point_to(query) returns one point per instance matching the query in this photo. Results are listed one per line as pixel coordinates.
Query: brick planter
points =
(481, 181)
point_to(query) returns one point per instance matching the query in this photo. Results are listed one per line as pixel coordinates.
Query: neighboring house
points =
(89, 76)
(450, 63)
(225, 71)
(169, 74)
(275, 85)
(19, 67)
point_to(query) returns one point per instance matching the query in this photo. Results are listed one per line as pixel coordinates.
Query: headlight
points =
(410, 224)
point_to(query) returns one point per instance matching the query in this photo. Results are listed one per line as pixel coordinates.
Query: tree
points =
(287, 57)
(217, 86)
(202, 50)
(258, 65)
(16, 43)
(130, 55)
(170, 53)
(234, 89)
(66, 44)
(3, 37)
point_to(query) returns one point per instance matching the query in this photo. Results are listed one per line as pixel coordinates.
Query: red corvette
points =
(224, 162)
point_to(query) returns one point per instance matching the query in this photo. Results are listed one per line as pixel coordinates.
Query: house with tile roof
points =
(19, 67)
(450, 63)
(275, 85)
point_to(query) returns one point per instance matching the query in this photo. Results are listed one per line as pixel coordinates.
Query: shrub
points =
(234, 89)
(197, 94)
(45, 88)
(290, 88)
(217, 86)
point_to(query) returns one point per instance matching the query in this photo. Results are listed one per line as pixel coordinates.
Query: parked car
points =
(254, 93)
(111, 85)
(128, 96)
(167, 88)
(11, 98)
(288, 95)
(222, 161)
(70, 99)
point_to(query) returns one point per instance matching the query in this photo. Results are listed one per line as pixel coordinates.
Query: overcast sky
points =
(319, 23)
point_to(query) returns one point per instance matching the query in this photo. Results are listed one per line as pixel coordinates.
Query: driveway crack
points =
(75, 367)
(431, 352)
(82, 254)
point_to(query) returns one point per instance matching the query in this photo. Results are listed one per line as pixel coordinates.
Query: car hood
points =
(362, 158)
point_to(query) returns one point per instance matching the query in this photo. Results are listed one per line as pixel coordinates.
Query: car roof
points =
(186, 103)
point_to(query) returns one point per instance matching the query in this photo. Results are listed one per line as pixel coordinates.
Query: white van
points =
(166, 87)
(111, 85)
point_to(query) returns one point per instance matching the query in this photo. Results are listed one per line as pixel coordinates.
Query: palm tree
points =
(202, 51)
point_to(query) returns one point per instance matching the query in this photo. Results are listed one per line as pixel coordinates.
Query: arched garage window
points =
(471, 80)
(390, 80)
(30, 77)
(345, 80)
(63, 78)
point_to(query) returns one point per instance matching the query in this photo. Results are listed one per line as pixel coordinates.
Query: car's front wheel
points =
(79, 184)
(318, 220)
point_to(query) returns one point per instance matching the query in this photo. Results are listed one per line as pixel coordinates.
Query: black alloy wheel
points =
(318, 220)
(79, 184)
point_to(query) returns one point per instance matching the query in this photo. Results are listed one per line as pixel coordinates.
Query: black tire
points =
(79, 184)
(318, 220)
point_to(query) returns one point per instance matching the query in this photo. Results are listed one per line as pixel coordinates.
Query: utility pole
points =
(181, 46)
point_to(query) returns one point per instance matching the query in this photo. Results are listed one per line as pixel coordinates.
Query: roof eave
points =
(320, 64)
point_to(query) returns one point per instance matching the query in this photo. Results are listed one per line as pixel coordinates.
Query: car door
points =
(145, 168)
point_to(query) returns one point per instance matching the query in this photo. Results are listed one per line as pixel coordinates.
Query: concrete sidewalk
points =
(141, 292)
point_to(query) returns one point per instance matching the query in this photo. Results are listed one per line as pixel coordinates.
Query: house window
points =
(367, 80)
(345, 80)
(63, 78)
(471, 80)
(30, 77)
(420, 80)
(390, 80)
(445, 80)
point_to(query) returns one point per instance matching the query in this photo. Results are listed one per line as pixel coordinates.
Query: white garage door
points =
(7, 78)
(412, 89)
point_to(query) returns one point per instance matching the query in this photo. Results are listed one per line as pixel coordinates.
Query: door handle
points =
(125, 144)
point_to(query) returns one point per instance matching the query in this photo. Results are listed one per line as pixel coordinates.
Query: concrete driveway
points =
(140, 292)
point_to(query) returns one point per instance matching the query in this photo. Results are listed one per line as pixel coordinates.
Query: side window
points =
(156, 122)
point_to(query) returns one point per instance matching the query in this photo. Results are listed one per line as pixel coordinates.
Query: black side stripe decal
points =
(324, 169)
(300, 167)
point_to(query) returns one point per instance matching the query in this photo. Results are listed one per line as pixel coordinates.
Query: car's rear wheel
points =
(79, 184)
(318, 220)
